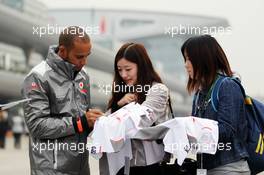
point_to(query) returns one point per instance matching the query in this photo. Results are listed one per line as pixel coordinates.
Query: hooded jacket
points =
(60, 96)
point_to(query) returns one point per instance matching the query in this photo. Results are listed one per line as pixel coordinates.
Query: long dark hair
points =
(207, 58)
(146, 74)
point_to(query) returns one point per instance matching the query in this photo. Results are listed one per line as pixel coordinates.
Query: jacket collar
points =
(59, 65)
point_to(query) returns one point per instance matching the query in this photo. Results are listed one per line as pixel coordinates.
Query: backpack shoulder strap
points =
(171, 110)
(241, 87)
(215, 91)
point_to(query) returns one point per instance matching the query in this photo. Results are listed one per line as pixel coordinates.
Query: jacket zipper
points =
(55, 155)
(136, 153)
(79, 135)
(74, 93)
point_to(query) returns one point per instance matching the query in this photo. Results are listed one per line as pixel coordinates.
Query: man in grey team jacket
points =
(57, 116)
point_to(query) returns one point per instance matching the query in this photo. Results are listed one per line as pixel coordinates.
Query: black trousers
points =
(153, 169)
(17, 137)
(2, 141)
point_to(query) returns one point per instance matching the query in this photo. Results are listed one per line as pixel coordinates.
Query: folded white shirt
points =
(180, 135)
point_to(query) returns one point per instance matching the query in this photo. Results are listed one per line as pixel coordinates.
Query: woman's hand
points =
(128, 98)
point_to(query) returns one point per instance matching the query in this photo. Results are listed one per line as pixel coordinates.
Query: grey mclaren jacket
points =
(59, 97)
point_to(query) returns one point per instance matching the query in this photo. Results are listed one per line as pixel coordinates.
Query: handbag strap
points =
(171, 110)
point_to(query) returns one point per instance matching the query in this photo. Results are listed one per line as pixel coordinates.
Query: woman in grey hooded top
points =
(136, 80)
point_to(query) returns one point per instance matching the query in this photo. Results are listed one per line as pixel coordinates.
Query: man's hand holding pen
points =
(92, 115)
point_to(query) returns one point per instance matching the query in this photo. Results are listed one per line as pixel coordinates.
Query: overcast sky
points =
(244, 46)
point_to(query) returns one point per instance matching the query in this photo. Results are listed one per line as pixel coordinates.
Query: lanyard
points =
(200, 108)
